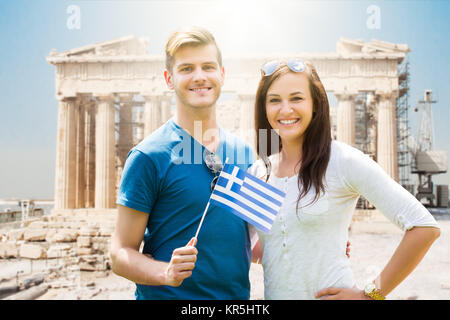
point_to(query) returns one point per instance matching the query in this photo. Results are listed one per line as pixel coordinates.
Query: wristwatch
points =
(372, 292)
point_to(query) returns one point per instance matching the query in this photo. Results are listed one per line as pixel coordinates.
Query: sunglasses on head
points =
(214, 164)
(296, 65)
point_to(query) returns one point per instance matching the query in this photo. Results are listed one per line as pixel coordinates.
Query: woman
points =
(303, 256)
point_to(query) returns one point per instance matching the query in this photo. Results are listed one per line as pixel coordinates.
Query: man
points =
(166, 185)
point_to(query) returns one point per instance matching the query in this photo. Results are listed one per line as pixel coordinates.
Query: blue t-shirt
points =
(165, 176)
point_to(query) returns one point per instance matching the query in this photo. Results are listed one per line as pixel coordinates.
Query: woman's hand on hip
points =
(333, 293)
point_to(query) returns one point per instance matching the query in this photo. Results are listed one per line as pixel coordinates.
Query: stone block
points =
(15, 234)
(31, 251)
(84, 251)
(106, 232)
(50, 234)
(58, 250)
(84, 266)
(59, 218)
(93, 224)
(64, 235)
(83, 241)
(88, 231)
(98, 246)
(101, 267)
(35, 234)
(68, 261)
(55, 284)
(103, 240)
(37, 225)
(30, 221)
(75, 225)
(91, 259)
(8, 249)
(55, 225)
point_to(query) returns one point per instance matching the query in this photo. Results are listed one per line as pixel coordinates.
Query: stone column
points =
(125, 141)
(80, 161)
(346, 117)
(247, 118)
(105, 154)
(66, 152)
(138, 134)
(166, 110)
(152, 113)
(372, 125)
(387, 133)
(90, 112)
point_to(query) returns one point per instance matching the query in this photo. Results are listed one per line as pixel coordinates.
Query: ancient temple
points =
(112, 94)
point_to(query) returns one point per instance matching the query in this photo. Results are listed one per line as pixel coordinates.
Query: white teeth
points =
(200, 89)
(288, 121)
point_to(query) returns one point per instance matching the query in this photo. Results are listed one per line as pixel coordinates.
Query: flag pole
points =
(201, 221)
(204, 212)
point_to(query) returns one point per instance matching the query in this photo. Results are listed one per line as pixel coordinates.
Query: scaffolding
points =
(365, 124)
(365, 129)
(365, 132)
(403, 130)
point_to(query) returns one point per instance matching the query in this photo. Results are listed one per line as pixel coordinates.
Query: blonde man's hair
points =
(190, 36)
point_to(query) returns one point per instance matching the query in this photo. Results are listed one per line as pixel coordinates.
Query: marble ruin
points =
(112, 94)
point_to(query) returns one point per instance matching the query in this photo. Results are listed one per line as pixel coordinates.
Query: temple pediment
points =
(131, 48)
(347, 46)
(123, 65)
(123, 46)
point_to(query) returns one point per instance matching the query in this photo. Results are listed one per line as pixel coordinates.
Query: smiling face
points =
(196, 76)
(289, 106)
(297, 105)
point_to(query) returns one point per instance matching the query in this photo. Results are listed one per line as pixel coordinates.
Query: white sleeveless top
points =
(305, 250)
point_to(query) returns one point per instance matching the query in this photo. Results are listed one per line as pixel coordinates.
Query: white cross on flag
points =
(247, 197)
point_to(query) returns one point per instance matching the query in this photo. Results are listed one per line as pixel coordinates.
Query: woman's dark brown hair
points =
(317, 137)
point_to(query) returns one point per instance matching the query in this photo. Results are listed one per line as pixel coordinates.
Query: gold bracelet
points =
(372, 292)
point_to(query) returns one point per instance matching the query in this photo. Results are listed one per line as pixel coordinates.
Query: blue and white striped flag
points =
(247, 197)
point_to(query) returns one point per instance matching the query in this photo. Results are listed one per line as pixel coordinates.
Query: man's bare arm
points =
(128, 262)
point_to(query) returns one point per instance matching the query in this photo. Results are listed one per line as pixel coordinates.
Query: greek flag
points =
(247, 197)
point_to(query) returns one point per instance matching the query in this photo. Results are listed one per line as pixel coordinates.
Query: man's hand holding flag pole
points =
(239, 193)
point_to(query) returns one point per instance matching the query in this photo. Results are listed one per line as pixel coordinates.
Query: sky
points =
(31, 29)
